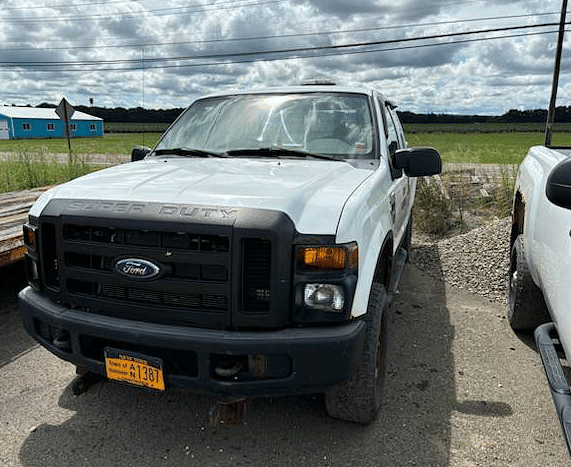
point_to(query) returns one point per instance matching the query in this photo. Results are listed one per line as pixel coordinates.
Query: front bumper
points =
(286, 361)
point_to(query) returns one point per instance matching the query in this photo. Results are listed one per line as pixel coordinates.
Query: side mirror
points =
(558, 186)
(139, 153)
(418, 162)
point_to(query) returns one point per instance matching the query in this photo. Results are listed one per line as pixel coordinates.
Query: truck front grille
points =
(202, 274)
(194, 286)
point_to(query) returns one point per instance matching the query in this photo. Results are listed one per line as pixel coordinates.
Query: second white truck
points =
(540, 264)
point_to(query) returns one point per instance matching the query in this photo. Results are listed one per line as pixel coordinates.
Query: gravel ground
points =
(476, 261)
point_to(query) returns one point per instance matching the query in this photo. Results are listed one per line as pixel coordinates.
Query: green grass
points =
(24, 170)
(484, 148)
(110, 144)
(34, 163)
(30, 163)
(483, 127)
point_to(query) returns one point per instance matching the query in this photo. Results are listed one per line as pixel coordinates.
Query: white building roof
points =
(40, 113)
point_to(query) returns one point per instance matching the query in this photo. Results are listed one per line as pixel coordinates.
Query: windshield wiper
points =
(187, 152)
(276, 152)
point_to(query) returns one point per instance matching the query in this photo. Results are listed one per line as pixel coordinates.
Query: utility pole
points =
(555, 84)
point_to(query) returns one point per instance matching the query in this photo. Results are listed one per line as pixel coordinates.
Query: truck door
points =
(399, 196)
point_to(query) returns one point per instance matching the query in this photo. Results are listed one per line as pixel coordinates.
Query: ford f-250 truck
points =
(254, 251)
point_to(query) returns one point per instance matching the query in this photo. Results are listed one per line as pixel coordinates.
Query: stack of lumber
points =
(14, 209)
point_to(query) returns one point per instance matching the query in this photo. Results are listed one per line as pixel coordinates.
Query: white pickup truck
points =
(254, 251)
(540, 265)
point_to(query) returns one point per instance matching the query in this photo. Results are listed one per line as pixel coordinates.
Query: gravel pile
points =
(476, 261)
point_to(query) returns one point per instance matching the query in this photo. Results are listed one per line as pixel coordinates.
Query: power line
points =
(66, 5)
(157, 12)
(328, 54)
(283, 36)
(261, 55)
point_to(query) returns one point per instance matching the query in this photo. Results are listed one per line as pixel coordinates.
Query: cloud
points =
(126, 53)
(348, 8)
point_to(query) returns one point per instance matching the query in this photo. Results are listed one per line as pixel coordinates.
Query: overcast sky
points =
(442, 56)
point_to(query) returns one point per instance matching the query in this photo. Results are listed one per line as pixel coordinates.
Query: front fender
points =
(366, 219)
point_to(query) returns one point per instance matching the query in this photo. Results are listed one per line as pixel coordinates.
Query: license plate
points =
(134, 368)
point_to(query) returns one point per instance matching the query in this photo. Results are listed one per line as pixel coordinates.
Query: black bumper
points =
(546, 339)
(294, 360)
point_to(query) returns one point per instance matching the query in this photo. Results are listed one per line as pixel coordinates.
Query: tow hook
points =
(227, 411)
(83, 381)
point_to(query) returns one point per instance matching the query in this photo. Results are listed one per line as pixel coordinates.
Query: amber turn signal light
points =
(327, 257)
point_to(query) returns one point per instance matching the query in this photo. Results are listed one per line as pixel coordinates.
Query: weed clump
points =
(25, 169)
(463, 197)
(432, 208)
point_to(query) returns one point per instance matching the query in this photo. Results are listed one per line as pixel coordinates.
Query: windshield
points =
(332, 124)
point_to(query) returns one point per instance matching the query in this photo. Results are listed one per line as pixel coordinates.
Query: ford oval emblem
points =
(135, 268)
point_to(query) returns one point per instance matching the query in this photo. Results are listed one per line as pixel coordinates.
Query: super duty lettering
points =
(195, 211)
(106, 207)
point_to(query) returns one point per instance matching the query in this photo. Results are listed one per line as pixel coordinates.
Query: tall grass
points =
(115, 144)
(432, 208)
(446, 202)
(22, 170)
(503, 195)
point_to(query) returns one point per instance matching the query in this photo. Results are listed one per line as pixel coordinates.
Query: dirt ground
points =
(463, 390)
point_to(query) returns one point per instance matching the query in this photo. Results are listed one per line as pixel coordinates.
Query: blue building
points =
(29, 122)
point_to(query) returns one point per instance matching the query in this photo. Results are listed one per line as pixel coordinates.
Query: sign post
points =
(65, 111)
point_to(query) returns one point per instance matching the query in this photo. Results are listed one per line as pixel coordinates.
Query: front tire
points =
(359, 398)
(526, 306)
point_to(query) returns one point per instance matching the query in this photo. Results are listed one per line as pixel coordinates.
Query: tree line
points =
(141, 115)
(562, 115)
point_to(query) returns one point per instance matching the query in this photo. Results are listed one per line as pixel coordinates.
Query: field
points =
(30, 163)
(110, 144)
(484, 143)
(479, 148)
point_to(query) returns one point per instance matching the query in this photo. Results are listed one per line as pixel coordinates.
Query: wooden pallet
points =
(14, 209)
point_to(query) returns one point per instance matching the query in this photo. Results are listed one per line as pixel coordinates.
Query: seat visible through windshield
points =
(319, 123)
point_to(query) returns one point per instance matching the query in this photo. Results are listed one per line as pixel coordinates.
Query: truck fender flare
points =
(518, 217)
(382, 273)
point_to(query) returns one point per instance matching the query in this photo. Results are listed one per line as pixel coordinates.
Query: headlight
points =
(325, 281)
(326, 297)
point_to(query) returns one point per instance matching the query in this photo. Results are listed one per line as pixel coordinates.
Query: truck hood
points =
(311, 192)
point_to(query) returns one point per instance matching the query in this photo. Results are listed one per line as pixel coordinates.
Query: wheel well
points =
(384, 263)
(518, 217)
